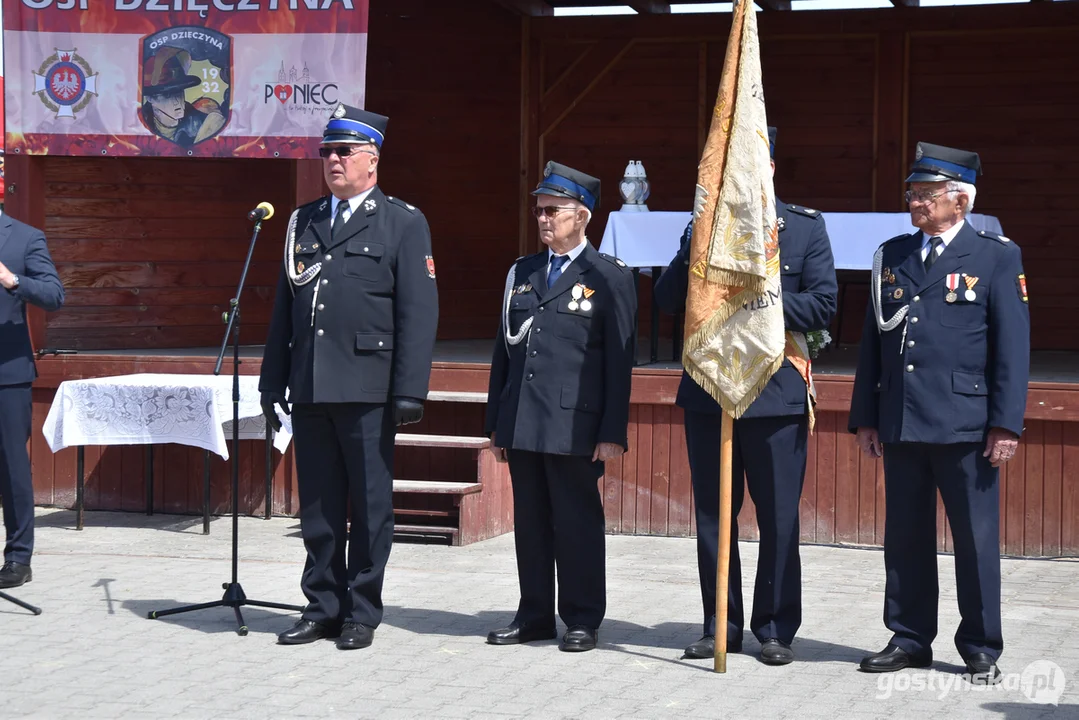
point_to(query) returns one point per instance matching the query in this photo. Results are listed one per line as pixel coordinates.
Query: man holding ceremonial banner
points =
(734, 332)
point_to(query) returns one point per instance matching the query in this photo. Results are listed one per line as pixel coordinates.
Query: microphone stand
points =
(234, 596)
(20, 603)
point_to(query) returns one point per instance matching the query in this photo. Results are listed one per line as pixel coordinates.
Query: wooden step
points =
(456, 396)
(440, 441)
(426, 531)
(436, 487)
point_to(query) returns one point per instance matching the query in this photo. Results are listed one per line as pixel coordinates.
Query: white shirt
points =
(947, 236)
(572, 256)
(353, 204)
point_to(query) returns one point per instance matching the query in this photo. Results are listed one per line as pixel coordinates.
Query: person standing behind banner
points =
(351, 337)
(769, 446)
(27, 275)
(940, 392)
(558, 407)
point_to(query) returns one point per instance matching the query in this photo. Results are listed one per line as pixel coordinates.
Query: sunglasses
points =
(550, 211)
(342, 151)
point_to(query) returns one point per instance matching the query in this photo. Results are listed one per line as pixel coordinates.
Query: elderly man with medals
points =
(940, 392)
(558, 407)
(351, 338)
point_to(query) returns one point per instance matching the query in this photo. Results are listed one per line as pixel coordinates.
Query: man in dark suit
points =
(352, 334)
(769, 447)
(558, 407)
(941, 392)
(27, 275)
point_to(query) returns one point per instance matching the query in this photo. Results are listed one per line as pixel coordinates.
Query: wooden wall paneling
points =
(1016, 502)
(24, 200)
(221, 482)
(826, 481)
(1052, 497)
(92, 470)
(680, 516)
(881, 493)
(111, 483)
(747, 518)
(661, 471)
(132, 477)
(176, 476)
(42, 469)
(1033, 474)
(631, 473)
(867, 493)
(613, 482)
(847, 516)
(889, 159)
(1069, 491)
(645, 430)
(63, 484)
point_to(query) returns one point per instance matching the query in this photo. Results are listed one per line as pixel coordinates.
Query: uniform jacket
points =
(370, 332)
(23, 252)
(961, 367)
(565, 387)
(809, 303)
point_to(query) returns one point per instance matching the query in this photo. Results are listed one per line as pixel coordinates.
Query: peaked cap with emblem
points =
(936, 163)
(352, 125)
(563, 181)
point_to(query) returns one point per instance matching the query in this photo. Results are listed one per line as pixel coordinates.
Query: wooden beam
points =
(906, 3)
(557, 104)
(532, 8)
(650, 7)
(774, 4)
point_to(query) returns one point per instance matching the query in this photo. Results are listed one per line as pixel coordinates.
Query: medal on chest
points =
(952, 283)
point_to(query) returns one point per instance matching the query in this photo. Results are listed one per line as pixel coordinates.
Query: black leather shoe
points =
(578, 639)
(14, 574)
(892, 658)
(776, 652)
(516, 634)
(982, 669)
(705, 648)
(355, 636)
(305, 631)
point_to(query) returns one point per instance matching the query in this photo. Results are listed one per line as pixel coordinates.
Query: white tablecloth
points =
(650, 239)
(151, 408)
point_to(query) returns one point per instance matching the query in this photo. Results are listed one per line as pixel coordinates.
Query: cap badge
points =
(340, 111)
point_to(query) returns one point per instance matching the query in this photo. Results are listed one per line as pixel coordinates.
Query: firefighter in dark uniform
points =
(351, 337)
(941, 391)
(770, 443)
(558, 407)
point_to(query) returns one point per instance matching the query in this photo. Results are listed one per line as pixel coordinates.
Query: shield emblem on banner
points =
(186, 88)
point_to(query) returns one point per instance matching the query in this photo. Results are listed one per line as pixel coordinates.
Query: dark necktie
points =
(557, 263)
(339, 219)
(934, 243)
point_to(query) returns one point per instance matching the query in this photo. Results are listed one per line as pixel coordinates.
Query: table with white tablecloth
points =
(647, 241)
(152, 408)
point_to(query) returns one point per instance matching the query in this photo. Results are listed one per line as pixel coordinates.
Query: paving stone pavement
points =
(94, 654)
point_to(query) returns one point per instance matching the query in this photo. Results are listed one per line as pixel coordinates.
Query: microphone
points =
(264, 211)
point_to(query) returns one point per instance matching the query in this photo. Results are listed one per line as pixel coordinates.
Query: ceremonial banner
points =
(220, 78)
(734, 310)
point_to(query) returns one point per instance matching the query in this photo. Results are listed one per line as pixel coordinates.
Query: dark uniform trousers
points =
(770, 439)
(932, 387)
(22, 251)
(771, 453)
(344, 453)
(968, 484)
(559, 491)
(16, 489)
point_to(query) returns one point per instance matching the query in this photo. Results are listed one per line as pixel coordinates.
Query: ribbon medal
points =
(577, 293)
(970, 281)
(952, 281)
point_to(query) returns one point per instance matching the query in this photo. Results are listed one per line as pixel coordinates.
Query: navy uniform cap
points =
(771, 141)
(936, 163)
(563, 181)
(352, 125)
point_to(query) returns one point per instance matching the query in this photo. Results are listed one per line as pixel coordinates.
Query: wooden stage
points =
(648, 491)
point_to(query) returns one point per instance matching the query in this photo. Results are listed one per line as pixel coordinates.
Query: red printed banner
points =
(213, 78)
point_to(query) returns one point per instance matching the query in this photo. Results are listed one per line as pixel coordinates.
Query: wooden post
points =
(726, 449)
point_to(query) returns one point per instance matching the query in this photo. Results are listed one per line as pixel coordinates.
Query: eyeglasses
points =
(550, 211)
(342, 151)
(921, 197)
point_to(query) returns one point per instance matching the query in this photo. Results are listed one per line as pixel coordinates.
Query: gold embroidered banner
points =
(734, 311)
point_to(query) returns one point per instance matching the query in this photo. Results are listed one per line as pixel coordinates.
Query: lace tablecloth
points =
(150, 408)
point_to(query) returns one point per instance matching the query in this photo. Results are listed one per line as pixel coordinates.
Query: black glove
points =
(269, 399)
(407, 410)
